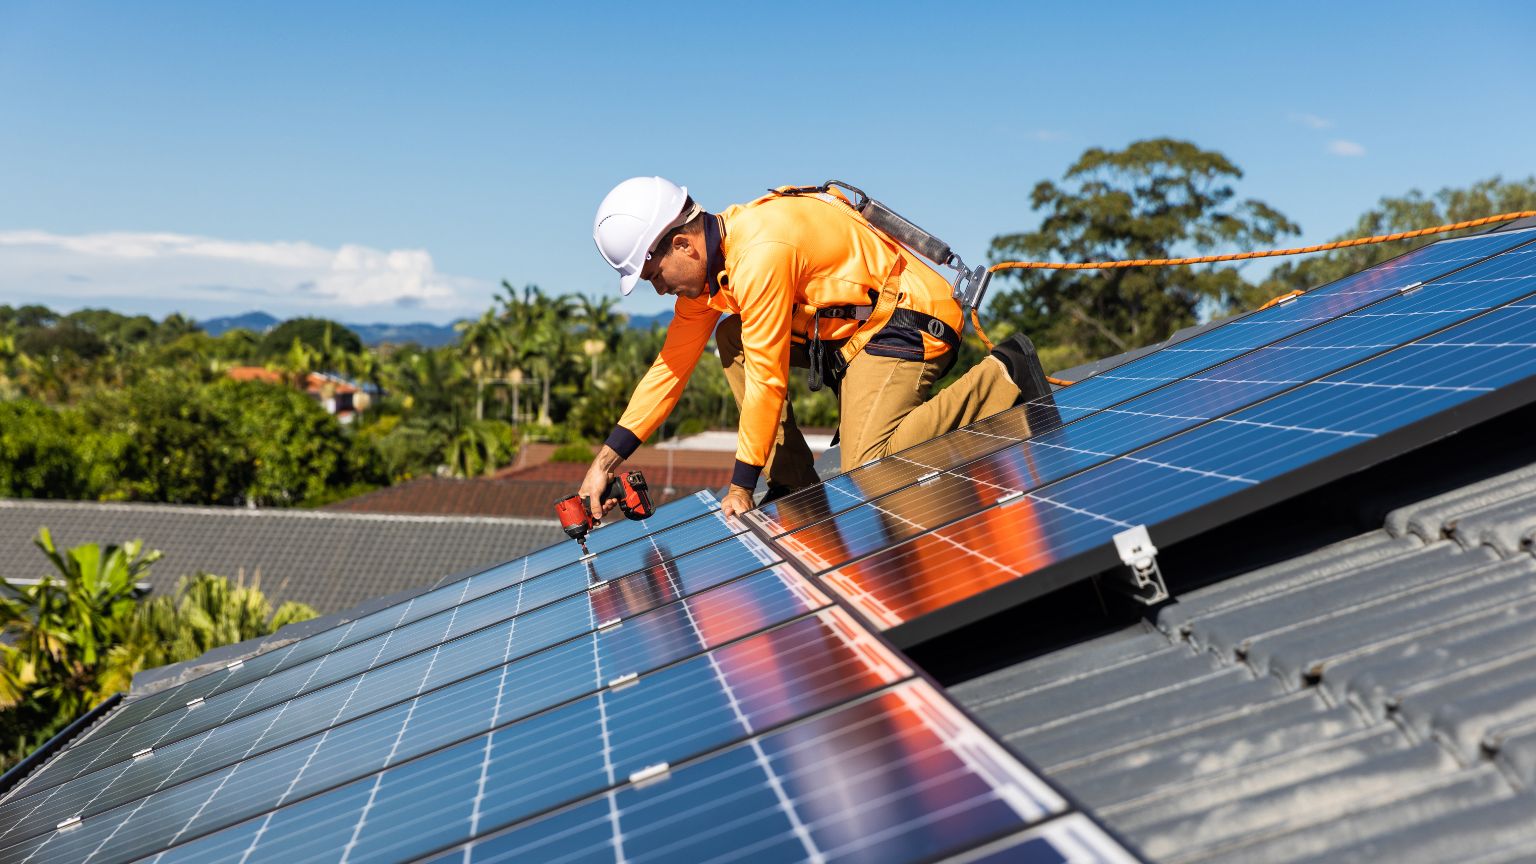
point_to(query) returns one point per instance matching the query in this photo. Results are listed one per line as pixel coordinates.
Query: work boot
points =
(1018, 356)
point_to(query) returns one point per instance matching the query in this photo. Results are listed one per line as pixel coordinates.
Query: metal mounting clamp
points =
(1144, 582)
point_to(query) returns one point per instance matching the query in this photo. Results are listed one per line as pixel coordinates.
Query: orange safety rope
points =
(1266, 253)
(1238, 256)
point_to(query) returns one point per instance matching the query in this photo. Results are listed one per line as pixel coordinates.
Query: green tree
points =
(38, 455)
(80, 633)
(1154, 199)
(58, 633)
(1403, 213)
(287, 450)
(480, 447)
(318, 334)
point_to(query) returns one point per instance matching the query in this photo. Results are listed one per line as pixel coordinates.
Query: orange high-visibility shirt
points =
(784, 257)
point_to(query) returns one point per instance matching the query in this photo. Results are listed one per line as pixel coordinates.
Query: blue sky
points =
(393, 162)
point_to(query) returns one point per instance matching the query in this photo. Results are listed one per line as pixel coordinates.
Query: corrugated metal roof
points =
(1373, 700)
(331, 561)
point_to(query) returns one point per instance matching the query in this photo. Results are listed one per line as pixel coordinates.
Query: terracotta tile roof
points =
(571, 474)
(516, 498)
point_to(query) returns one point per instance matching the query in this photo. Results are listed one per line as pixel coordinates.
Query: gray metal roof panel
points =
(1504, 526)
(330, 560)
(1429, 518)
(1374, 682)
(1502, 831)
(1342, 557)
(1353, 820)
(1323, 648)
(1178, 707)
(1226, 791)
(1212, 749)
(1515, 747)
(1333, 594)
(1130, 682)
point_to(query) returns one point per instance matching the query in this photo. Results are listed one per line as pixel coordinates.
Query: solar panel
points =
(510, 701)
(1099, 436)
(884, 778)
(1132, 379)
(563, 670)
(616, 532)
(470, 606)
(1189, 455)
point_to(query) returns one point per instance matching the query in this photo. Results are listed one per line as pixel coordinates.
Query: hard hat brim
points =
(627, 283)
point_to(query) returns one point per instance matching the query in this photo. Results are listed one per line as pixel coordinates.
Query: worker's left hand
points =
(737, 501)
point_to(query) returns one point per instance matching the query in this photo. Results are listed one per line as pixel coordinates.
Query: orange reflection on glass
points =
(936, 570)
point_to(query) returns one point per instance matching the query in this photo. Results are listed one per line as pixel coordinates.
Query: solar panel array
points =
(683, 694)
(1178, 440)
(697, 691)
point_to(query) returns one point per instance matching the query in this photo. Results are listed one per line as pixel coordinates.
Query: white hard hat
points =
(631, 218)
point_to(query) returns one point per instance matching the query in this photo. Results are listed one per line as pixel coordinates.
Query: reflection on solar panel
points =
(1188, 453)
(682, 694)
(1146, 373)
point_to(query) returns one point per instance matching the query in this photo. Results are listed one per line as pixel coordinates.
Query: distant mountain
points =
(256, 322)
(422, 333)
(646, 322)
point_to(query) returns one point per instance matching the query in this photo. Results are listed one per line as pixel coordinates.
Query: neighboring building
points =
(529, 488)
(338, 395)
(332, 561)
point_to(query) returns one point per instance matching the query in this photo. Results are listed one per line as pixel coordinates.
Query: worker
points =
(793, 279)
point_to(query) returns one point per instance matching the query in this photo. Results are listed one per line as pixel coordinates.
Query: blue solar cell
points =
(1110, 433)
(877, 780)
(539, 627)
(1487, 355)
(183, 751)
(525, 766)
(551, 574)
(616, 533)
(1139, 376)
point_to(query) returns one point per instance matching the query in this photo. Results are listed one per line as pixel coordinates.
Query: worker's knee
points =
(728, 339)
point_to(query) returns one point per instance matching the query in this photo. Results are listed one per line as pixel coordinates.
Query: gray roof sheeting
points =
(1374, 700)
(332, 561)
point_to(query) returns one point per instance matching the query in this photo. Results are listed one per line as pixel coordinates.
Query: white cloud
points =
(1311, 121)
(1045, 135)
(138, 270)
(1341, 147)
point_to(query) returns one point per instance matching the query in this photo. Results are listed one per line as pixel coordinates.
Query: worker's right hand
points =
(593, 486)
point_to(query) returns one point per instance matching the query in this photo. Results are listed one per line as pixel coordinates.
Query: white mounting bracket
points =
(1145, 583)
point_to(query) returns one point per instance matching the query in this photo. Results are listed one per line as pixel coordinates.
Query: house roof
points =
(488, 496)
(329, 560)
(1374, 699)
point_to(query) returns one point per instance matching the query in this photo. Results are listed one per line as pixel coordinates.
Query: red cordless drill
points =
(634, 500)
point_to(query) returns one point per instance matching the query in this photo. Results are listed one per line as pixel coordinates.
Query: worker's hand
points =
(738, 500)
(592, 488)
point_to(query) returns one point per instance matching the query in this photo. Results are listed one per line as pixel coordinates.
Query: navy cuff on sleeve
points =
(745, 475)
(622, 441)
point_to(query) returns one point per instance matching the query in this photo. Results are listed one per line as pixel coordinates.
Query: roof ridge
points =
(259, 512)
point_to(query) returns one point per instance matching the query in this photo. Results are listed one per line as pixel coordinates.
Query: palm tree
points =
(484, 341)
(60, 630)
(601, 325)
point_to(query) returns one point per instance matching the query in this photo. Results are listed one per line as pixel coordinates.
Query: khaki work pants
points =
(884, 405)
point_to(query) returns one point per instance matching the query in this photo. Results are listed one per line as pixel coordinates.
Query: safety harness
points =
(829, 359)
